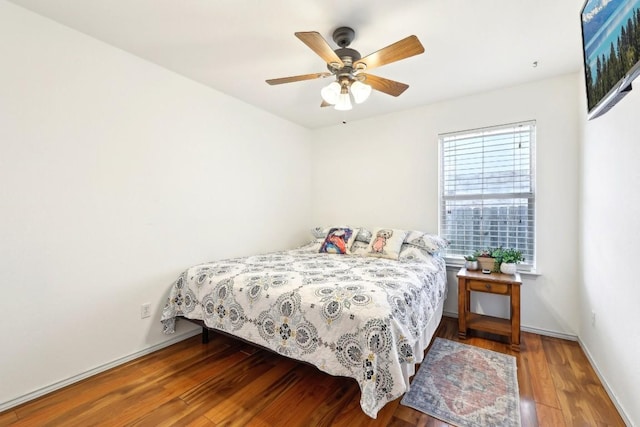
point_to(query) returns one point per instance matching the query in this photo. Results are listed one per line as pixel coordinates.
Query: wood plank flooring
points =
(229, 383)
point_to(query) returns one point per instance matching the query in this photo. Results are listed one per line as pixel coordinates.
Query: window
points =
(487, 189)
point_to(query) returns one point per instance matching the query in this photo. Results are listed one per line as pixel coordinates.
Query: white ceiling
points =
(471, 46)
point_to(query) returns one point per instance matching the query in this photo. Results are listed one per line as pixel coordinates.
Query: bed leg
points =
(205, 335)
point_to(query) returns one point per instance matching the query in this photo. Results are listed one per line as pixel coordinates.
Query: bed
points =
(353, 315)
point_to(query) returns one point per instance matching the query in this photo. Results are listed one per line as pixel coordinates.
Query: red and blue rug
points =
(466, 386)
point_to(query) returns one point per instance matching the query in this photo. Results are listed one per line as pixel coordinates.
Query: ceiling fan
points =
(348, 67)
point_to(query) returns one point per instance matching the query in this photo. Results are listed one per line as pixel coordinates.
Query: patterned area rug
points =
(466, 386)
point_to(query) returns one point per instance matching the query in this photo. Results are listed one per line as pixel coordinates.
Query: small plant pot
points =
(508, 268)
(487, 263)
(471, 265)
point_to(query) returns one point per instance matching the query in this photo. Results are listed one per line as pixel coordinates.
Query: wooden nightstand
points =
(494, 283)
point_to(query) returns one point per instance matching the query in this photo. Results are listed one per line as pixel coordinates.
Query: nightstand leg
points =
(463, 308)
(515, 317)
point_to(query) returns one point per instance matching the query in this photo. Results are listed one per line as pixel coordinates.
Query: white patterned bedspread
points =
(352, 316)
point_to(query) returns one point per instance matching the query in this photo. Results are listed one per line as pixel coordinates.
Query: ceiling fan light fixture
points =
(360, 91)
(344, 100)
(331, 93)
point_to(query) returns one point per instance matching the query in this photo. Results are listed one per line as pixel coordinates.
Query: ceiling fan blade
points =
(402, 49)
(325, 104)
(298, 78)
(390, 87)
(319, 45)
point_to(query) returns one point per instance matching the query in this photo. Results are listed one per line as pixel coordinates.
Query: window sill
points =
(454, 264)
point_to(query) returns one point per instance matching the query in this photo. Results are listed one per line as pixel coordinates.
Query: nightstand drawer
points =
(494, 288)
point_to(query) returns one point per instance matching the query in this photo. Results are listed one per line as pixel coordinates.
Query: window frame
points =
(528, 265)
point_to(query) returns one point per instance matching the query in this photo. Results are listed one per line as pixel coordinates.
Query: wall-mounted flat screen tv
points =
(611, 48)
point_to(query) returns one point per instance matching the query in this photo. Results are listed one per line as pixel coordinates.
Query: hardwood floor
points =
(228, 382)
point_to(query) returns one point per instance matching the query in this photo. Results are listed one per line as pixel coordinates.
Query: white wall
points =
(610, 231)
(115, 175)
(384, 172)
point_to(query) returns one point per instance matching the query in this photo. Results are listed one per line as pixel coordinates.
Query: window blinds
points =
(487, 189)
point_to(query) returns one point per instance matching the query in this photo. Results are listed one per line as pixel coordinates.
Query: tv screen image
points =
(611, 48)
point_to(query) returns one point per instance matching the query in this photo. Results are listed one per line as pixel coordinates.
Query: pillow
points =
(359, 248)
(320, 233)
(410, 253)
(386, 243)
(364, 235)
(339, 240)
(430, 242)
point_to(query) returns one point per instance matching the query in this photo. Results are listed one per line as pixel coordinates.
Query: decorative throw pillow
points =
(386, 243)
(319, 233)
(339, 240)
(410, 253)
(430, 242)
(364, 235)
(359, 248)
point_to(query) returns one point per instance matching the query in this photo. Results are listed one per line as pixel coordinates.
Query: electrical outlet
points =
(593, 318)
(145, 310)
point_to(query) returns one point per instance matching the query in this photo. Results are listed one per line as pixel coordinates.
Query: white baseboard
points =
(608, 389)
(548, 333)
(74, 379)
(450, 314)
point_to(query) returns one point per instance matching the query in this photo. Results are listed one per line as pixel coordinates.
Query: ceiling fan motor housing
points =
(343, 37)
(351, 55)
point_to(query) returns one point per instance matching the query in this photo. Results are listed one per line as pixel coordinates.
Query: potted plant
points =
(487, 259)
(471, 262)
(509, 258)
